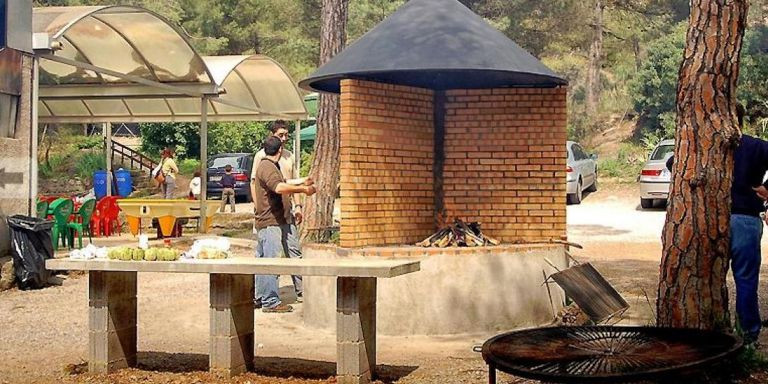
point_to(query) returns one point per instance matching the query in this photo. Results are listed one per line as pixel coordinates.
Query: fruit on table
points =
(138, 254)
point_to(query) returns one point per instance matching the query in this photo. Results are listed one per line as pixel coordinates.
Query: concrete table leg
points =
(111, 321)
(231, 343)
(356, 329)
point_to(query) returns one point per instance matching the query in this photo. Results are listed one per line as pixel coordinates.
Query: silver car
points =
(655, 177)
(581, 173)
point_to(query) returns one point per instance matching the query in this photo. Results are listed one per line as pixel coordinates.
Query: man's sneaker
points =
(280, 308)
(299, 297)
(257, 304)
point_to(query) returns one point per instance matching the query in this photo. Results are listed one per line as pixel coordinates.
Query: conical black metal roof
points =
(436, 44)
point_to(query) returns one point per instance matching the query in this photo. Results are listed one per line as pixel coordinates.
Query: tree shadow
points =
(269, 366)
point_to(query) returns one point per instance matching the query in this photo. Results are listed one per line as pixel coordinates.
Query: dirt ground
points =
(43, 334)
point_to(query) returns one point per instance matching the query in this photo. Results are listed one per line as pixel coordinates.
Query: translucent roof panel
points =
(256, 82)
(127, 64)
(128, 40)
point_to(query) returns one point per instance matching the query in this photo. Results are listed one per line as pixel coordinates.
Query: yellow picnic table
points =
(166, 211)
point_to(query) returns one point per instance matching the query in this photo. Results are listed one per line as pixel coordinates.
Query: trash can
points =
(30, 246)
(124, 182)
(100, 184)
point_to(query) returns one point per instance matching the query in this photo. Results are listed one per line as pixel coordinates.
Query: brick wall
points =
(505, 161)
(386, 164)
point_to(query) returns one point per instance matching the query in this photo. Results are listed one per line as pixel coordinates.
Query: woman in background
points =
(170, 170)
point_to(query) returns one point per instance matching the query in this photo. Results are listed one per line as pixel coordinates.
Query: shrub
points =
(90, 142)
(52, 168)
(627, 164)
(189, 166)
(88, 163)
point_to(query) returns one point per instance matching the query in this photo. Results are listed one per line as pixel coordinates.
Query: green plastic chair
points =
(85, 213)
(42, 210)
(61, 210)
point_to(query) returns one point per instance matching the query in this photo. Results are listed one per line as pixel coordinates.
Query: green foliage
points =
(753, 76)
(189, 166)
(91, 142)
(185, 138)
(307, 156)
(52, 168)
(88, 163)
(237, 137)
(626, 165)
(654, 88)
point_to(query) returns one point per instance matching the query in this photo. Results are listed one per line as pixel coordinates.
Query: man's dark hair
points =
(228, 167)
(740, 112)
(272, 145)
(277, 125)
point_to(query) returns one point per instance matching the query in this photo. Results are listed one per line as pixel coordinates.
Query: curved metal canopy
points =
(258, 83)
(127, 64)
(435, 44)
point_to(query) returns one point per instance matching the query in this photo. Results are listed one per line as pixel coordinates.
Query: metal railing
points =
(132, 158)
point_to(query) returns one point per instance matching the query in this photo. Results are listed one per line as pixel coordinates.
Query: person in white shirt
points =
(286, 163)
(194, 186)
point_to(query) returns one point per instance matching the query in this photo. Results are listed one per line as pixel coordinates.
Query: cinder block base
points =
(231, 314)
(356, 329)
(112, 312)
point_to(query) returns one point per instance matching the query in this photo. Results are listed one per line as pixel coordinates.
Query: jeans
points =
(272, 242)
(228, 197)
(169, 187)
(746, 232)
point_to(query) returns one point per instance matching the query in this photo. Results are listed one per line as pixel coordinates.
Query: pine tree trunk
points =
(595, 62)
(696, 237)
(318, 210)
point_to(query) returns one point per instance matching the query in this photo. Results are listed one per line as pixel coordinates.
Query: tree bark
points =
(696, 237)
(318, 210)
(595, 61)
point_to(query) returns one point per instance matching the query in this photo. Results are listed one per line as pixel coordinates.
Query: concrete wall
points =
(458, 290)
(386, 147)
(15, 158)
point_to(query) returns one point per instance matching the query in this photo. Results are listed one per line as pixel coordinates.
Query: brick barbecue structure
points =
(444, 117)
(497, 158)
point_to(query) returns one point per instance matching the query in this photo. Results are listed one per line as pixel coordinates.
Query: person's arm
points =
(287, 189)
(172, 165)
(275, 183)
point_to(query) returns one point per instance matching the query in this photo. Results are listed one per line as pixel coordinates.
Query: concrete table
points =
(112, 287)
(166, 211)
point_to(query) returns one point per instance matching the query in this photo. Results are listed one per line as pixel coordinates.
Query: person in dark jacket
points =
(228, 193)
(749, 192)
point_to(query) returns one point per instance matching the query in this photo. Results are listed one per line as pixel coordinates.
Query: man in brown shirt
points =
(272, 200)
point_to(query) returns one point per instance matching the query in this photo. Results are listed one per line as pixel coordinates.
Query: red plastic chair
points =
(112, 223)
(99, 219)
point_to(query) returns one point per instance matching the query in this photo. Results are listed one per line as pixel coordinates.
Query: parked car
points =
(655, 177)
(581, 173)
(241, 168)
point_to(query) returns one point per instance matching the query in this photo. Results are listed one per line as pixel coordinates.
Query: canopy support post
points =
(33, 145)
(202, 227)
(107, 129)
(297, 150)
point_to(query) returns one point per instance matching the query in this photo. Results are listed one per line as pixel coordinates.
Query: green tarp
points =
(308, 133)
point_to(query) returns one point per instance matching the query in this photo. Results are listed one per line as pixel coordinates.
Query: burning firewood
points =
(459, 234)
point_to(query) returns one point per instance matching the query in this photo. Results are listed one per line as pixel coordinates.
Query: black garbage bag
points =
(31, 245)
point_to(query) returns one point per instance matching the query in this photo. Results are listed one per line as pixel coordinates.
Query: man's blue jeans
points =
(746, 232)
(273, 242)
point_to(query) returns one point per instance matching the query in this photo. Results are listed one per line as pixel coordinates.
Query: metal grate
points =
(603, 353)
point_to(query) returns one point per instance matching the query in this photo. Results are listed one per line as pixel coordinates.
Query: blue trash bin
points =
(100, 184)
(124, 182)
